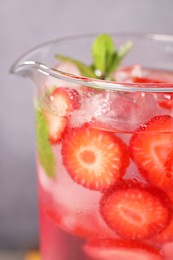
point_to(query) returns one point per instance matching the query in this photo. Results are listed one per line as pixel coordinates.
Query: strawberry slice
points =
(62, 101)
(135, 211)
(152, 151)
(115, 249)
(94, 158)
(56, 127)
(167, 234)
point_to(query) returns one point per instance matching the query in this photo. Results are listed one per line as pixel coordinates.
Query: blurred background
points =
(23, 25)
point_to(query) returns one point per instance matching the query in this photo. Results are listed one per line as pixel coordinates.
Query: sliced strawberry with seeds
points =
(167, 234)
(62, 102)
(152, 150)
(56, 127)
(116, 249)
(135, 211)
(94, 158)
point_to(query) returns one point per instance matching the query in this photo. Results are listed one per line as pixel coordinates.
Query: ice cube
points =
(126, 74)
(73, 207)
(128, 110)
(64, 190)
(93, 106)
(69, 193)
(116, 111)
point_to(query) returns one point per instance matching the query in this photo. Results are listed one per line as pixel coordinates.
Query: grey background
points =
(24, 24)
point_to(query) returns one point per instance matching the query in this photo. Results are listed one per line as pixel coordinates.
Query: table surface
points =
(13, 255)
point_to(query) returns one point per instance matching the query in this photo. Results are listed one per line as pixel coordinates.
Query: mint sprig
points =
(119, 55)
(44, 149)
(103, 54)
(84, 69)
(105, 58)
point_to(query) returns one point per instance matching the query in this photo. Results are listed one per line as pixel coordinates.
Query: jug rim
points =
(92, 82)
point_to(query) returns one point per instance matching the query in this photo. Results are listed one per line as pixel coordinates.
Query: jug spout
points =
(27, 68)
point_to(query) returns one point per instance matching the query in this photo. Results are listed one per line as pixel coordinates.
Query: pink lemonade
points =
(112, 190)
(104, 134)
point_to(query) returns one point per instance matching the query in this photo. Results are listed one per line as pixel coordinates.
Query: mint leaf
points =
(105, 58)
(102, 53)
(45, 152)
(119, 55)
(84, 69)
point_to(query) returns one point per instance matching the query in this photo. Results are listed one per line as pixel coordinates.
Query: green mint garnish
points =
(106, 58)
(103, 54)
(85, 70)
(120, 54)
(45, 152)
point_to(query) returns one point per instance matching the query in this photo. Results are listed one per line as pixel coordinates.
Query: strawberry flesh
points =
(152, 150)
(116, 249)
(94, 158)
(135, 211)
(167, 234)
(62, 102)
(56, 127)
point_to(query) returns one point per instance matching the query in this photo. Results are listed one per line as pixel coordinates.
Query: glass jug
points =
(104, 150)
